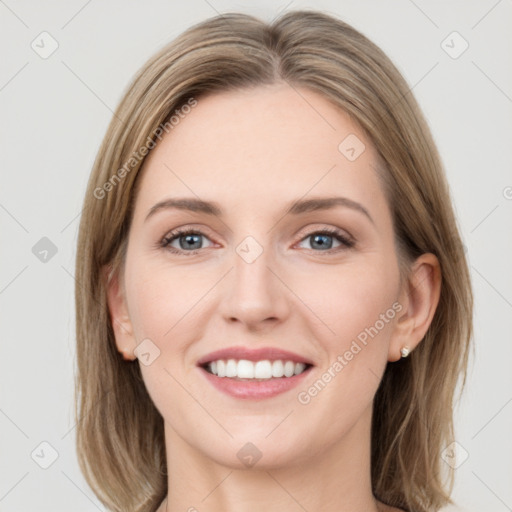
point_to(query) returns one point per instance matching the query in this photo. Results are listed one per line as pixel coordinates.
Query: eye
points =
(323, 240)
(188, 241)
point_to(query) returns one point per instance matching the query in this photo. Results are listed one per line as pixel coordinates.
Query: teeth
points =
(299, 368)
(221, 368)
(289, 369)
(231, 368)
(263, 370)
(244, 369)
(277, 369)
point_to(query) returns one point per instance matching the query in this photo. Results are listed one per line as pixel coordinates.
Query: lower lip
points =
(252, 388)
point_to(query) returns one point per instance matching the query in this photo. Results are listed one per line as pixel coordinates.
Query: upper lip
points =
(259, 354)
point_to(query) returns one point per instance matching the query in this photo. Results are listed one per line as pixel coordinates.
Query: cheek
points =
(161, 306)
(161, 297)
(351, 298)
(358, 308)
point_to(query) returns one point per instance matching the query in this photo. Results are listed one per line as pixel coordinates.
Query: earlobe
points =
(119, 316)
(419, 298)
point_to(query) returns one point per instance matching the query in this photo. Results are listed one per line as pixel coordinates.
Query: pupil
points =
(190, 241)
(323, 243)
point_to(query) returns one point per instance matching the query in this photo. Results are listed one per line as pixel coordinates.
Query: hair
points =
(120, 436)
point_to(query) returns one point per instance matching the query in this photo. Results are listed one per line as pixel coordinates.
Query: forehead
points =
(257, 148)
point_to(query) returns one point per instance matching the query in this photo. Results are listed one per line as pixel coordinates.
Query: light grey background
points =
(54, 112)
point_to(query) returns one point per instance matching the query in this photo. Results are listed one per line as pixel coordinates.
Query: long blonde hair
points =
(120, 440)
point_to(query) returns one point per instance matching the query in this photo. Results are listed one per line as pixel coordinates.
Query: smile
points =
(254, 373)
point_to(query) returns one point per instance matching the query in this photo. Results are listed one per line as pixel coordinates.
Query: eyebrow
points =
(294, 208)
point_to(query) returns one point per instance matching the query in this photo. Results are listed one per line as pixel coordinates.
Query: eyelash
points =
(348, 243)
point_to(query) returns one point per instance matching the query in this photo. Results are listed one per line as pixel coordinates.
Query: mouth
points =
(254, 374)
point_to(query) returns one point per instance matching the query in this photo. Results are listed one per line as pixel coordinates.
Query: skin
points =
(254, 151)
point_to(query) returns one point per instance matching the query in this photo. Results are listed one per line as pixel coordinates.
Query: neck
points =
(336, 479)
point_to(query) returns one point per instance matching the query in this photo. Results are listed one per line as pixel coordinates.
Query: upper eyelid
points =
(203, 231)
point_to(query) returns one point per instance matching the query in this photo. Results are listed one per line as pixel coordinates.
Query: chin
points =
(254, 451)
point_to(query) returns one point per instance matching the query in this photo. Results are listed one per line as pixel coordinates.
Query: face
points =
(265, 269)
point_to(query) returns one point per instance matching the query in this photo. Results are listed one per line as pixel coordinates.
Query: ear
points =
(121, 324)
(419, 298)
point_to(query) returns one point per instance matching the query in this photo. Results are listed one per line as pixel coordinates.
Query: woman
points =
(274, 305)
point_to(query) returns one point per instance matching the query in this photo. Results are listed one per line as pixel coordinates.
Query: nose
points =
(255, 295)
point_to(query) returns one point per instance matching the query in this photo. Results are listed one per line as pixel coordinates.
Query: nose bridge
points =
(255, 293)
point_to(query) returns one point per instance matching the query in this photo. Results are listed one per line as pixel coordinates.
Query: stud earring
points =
(405, 351)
